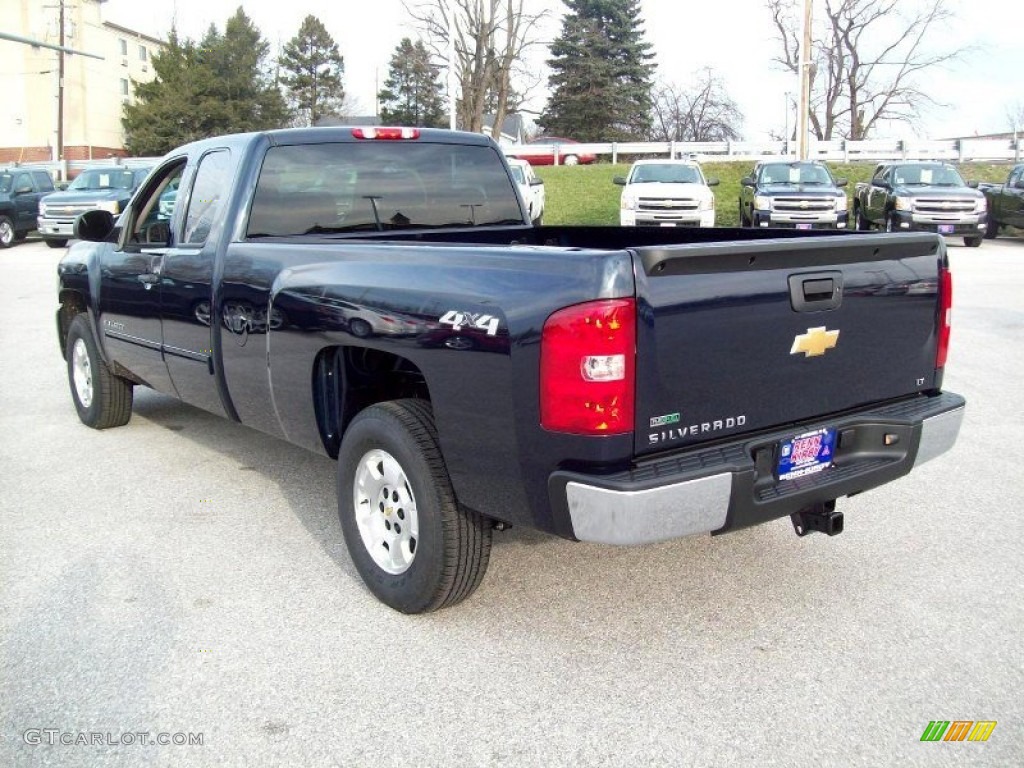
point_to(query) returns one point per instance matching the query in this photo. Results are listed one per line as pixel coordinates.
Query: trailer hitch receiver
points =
(821, 517)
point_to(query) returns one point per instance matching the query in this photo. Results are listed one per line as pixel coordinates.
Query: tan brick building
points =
(94, 90)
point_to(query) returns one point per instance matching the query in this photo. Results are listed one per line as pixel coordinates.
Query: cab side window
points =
(151, 215)
(212, 182)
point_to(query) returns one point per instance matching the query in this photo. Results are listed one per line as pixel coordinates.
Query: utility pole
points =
(60, 97)
(451, 64)
(803, 150)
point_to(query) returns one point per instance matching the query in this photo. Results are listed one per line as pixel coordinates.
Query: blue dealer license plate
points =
(806, 454)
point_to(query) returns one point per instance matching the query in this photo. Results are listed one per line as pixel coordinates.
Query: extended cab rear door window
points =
(380, 185)
(213, 179)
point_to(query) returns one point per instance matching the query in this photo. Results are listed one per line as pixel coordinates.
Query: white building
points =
(94, 90)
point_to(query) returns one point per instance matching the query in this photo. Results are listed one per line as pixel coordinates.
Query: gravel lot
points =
(187, 575)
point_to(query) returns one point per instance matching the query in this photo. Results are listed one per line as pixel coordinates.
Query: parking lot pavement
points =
(186, 575)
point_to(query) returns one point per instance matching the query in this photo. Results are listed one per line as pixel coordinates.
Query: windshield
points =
(97, 179)
(931, 174)
(380, 185)
(795, 173)
(5, 182)
(669, 173)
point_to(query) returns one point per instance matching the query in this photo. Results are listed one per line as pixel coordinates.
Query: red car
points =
(566, 156)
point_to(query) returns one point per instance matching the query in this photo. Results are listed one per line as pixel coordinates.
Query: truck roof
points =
(332, 134)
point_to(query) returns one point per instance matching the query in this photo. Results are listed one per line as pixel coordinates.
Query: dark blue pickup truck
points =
(379, 296)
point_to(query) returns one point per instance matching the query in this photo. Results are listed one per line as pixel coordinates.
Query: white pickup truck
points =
(531, 187)
(666, 193)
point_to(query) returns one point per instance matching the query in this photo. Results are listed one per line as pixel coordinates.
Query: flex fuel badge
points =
(668, 418)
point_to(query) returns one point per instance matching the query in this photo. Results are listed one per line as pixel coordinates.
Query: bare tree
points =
(867, 59)
(491, 38)
(1015, 116)
(699, 111)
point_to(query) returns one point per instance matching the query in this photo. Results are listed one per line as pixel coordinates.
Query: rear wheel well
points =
(72, 303)
(347, 380)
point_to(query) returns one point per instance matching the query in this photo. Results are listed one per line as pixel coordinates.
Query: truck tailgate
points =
(740, 337)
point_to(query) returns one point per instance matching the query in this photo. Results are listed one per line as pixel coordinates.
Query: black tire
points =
(744, 221)
(453, 545)
(972, 242)
(861, 222)
(110, 397)
(991, 229)
(58, 243)
(7, 234)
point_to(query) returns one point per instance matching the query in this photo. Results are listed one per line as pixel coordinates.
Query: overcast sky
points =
(734, 37)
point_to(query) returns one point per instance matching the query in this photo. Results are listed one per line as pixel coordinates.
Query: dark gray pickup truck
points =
(379, 296)
(921, 197)
(1005, 202)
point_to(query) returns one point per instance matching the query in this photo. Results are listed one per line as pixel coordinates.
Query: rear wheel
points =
(570, 160)
(415, 548)
(102, 399)
(57, 243)
(7, 236)
(972, 242)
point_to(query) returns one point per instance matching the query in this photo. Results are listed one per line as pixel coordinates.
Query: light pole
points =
(803, 150)
(785, 131)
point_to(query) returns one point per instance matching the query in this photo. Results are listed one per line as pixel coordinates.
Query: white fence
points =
(959, 150)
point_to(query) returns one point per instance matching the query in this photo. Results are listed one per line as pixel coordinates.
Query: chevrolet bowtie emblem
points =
(815, 342)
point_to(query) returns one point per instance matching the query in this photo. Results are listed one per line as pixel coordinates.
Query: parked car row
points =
(28, 201)
(907, 196)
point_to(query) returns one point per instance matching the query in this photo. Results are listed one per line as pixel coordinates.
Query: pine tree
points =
(601, 73)
(163, 115)
(312, 70)
(412, 92)
(216, 86)
(244, 91)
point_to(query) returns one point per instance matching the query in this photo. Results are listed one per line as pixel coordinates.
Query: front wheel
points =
(972, 242)
(102, 399)
(862, 223)
(7, 236)
(56, 243)
(411, 543)
(991, 229)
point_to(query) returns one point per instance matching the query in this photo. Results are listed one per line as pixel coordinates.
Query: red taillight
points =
(386, 134)
(945, 316)
(587, 359)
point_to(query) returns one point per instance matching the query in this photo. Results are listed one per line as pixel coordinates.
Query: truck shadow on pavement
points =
(715, 580)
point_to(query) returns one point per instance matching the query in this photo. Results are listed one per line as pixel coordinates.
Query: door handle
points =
(149, 279)
(816, 292)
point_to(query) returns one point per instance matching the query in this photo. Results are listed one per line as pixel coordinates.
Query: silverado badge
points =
(815, 342)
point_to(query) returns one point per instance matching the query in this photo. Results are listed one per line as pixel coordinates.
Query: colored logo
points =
(958, 730)
(815, 342)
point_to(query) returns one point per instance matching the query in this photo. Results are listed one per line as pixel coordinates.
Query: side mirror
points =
(841, 182)
(713, 181)
(94, 226)
(748, 181)
(972, 184)
(620, 180)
